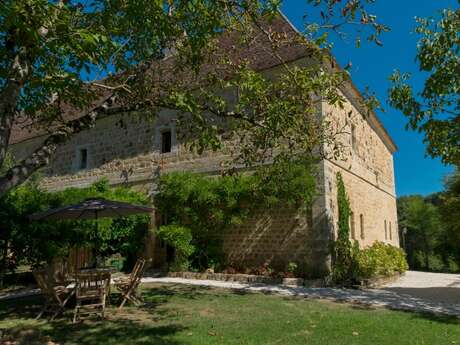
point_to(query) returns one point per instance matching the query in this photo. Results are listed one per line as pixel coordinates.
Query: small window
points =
(353, 137)
(83, 159)
(361, 225)
(386, 231)
(352, 226)
(391, 235)
(166, 141)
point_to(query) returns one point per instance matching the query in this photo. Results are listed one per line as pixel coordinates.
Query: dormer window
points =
(166, 141)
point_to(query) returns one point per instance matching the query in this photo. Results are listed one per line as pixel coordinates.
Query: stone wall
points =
(123, 149)
(277, 237)
(367, 169)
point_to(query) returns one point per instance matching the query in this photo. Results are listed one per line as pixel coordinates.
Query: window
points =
(352, 226)
(361, 225)
(386, 231)
(83, 159)
(353, 137)
(166, 142)
(391, 235)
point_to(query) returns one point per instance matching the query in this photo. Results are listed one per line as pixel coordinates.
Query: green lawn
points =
(176, 314)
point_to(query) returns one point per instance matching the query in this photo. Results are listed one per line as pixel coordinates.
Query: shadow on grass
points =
(133, 325)
(155, 322)
(93, 333)
(23, 308)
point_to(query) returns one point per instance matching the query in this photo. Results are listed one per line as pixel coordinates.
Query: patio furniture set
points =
(91, 288)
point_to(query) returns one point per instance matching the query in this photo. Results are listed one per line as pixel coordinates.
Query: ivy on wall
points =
(342, 246)
(209, 205)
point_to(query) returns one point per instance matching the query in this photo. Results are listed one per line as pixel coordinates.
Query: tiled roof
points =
(257, 53)
(24, 129)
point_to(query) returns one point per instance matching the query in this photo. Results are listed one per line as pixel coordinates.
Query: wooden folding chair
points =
(56, 296)
(128, 287)
(91, 293)
(79, 258)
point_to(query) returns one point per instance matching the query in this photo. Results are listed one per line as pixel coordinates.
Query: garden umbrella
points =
(94, 208)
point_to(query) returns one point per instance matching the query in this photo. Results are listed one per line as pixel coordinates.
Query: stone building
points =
(129, 150)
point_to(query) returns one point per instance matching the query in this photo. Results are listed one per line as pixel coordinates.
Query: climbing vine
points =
(209, 205)
(343, 257)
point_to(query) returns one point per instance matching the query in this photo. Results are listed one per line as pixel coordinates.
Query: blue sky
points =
(415, 173)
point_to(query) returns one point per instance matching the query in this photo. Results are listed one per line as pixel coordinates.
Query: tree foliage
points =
(421, 219)
(431, 228)
(32, 242)
(435, 109)
(92, 59)
(450, 211)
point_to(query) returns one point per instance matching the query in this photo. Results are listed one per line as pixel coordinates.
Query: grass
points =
(178, 314)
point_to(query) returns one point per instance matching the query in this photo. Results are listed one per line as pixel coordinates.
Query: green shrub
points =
(436, 263)
(33, 242)
(380, 259)
(116, 261)
(179, 238)
(292, 267)
(452, 265)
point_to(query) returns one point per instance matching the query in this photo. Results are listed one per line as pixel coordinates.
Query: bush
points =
(33, 243)
(179, 238)
(380, 259)
(436, 263)
(292, 267)
(452, 265)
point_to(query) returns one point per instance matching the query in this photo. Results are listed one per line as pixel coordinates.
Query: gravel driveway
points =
(433, 287)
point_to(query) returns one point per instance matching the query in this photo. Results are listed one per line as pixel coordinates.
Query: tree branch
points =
(42, 155)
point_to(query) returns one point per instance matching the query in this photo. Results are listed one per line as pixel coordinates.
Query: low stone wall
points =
(248, 279)
(377, 282)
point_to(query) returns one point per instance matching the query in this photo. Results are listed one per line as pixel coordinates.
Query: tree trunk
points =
(19, 72)
(3, 263)
(427, 251)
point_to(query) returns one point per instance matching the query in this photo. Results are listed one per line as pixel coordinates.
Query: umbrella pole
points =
(76, 257)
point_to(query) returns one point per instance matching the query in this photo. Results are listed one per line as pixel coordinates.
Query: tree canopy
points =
(435, 109)
(65, 63)
(431, 228)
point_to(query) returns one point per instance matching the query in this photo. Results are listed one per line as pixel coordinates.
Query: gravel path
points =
(440, 295)
(416, 291)
(438, 288)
